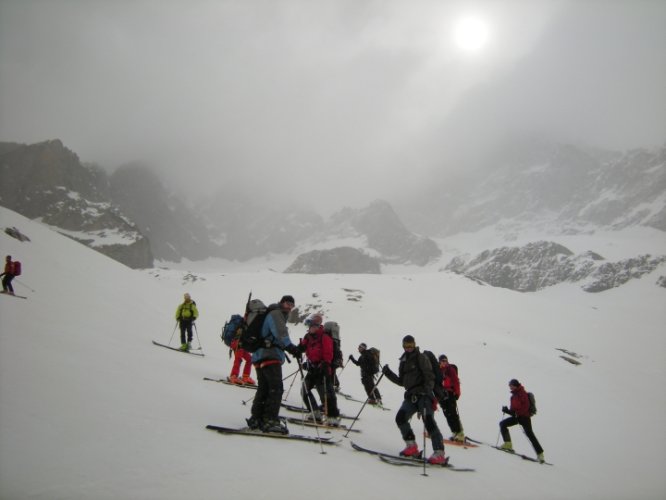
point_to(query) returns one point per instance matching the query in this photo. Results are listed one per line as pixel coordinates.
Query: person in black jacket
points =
(368, 370)
(415, 374)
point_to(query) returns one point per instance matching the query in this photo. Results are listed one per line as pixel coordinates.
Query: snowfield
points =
(91, 409)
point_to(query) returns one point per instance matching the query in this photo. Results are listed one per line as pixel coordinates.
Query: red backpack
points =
(16, 268)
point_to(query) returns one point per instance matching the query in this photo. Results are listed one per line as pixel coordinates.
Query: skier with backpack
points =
(519, 413)
(368, 362)
(231, 333)
(186, 315)
(319, 350)
(12, 269)
(268, 359)
(448, 397)
(415, 374)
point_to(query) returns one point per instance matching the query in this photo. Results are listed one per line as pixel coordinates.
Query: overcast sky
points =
(354, 99)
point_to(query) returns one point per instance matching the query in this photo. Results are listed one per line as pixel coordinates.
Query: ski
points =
(399, 460)
(179, 350)
(321, 425)
(248, 432)
(524, 457)
(300, 409)
(225, 381)
(13, 295)
(466, 444)
(348, 397)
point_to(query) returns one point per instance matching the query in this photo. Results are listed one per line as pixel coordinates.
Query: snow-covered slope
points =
(89, 408)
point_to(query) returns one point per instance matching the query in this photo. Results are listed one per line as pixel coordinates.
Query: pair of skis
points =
(194, 352)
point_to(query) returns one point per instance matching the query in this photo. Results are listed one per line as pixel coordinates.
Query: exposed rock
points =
(542, 264)
(343, 260)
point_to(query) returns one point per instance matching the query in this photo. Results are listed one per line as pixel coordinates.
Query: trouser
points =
(241, 355)
(526, 424)
(266, 404)
(323, 383)
(409, 407)
(7, 283)
(450, 409)
(185, 326)
(368, 382)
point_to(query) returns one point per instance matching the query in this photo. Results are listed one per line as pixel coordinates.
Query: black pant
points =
(450, 409)
(7, 283)
(185, 326)
(323, 383)
(368, 382)
(266, 405)
(526, 424)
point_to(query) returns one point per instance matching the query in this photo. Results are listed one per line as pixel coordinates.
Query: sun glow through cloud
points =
(470, 34)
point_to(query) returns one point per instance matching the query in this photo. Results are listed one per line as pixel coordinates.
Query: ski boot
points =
(507, 446)
(275, 426)
(411, 450)
(235, 379)
(253, 424)
(540, 458)
(459, 437)
(184, 348)
(438, 458)
(248, 380)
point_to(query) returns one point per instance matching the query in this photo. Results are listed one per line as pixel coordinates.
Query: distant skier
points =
(369, 367)
(520, 414)
(417, 377)
(7, 276)
(186, 315)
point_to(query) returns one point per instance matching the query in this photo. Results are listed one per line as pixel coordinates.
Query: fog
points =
(349, 100)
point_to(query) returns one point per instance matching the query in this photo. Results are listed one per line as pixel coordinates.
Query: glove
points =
(386, 369)
(506, 410)
(293, 350)
(350, 357)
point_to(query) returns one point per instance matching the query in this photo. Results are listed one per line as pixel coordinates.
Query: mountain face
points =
(47, 181)
(342, 260)
(562, 186)
(544, 263)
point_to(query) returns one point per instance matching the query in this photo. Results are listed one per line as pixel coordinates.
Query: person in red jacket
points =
(449, 398)
(519, 411)
(318, 348)
(8, 276)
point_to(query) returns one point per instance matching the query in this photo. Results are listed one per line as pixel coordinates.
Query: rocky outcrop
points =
(342, 260)
(544, 263)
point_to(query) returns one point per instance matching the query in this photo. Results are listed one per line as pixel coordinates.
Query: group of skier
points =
(425, 385)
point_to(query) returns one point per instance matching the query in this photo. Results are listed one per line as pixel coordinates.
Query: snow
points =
(91, 409)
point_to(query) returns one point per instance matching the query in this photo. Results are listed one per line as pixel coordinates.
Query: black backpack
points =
(434, 364)
(255, 313)
(374, 356)
(532, 400)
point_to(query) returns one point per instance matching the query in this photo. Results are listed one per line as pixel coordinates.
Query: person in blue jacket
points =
(268, 362)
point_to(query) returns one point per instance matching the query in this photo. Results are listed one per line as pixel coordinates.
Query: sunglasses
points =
(408, 345)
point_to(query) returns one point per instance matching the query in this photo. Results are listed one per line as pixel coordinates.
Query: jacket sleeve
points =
(277, 327)
(178, 309)
(195, 312)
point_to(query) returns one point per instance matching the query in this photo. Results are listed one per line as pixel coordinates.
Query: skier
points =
(267, 363)
(519, 412)
(416, 375)
(369, 368)
(186, 315)
(240, 355)
(448, 398)
(8, 276)
(318, 348)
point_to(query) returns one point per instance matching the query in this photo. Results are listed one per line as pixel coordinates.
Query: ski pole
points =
(246, 401)
(343, 367)
(286, 396)
(365, 403)
(300, 369)
(174, 331)
(422, 412)
(23, 284)
(197, 332)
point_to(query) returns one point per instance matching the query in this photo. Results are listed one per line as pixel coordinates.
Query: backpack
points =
(250, 338)
(434, 364)
(374, 356)
(532, 400)
(333, 329)
(231, 329)
(16, 268)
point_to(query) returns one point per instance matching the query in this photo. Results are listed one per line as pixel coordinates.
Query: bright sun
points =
(470, 34)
